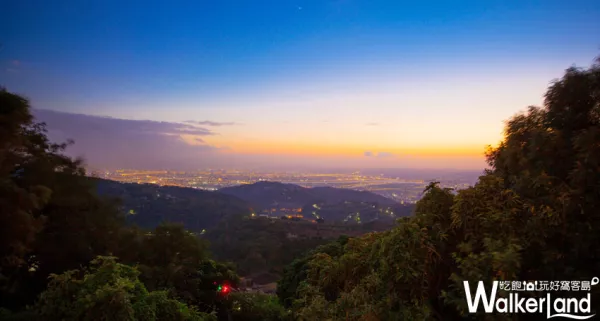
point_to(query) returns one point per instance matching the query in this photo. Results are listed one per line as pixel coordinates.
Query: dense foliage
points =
(261, 246)
(296, 272)
(51, 220)
(256, 307)
(532, 216)
(58, 238)
(109, 291)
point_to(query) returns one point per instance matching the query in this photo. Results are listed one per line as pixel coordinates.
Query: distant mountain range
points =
(148, 205)
(269, 194)
(256, 245)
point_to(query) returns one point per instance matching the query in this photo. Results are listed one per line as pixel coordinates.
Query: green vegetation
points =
(109, 291)
(259, 248)
(296, 273)
(532, 216)
(257, 307)
(59, 243)
(262, 247)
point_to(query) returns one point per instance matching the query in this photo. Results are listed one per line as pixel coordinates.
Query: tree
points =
(531, 216)
(296, 272)
(256, 307)
(18, 202)
(52, 221)
(534, 215)
(173, 259)
(109, 291)
(50, 217)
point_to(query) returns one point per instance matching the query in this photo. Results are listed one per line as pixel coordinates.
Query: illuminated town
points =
(397, 188)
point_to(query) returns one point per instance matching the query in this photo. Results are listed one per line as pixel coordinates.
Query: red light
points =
(225, 289)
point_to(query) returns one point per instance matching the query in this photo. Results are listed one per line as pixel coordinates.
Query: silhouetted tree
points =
(532, 216)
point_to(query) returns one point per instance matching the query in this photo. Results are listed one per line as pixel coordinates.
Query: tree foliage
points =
(109, 291)
(173, 259)
(51, 220)
(256, 307)
(53, 224)
(532, 216)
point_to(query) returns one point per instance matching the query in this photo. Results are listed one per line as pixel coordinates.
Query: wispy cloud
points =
(385, 154)
(210, 123)
(372, 124)
(379, 154)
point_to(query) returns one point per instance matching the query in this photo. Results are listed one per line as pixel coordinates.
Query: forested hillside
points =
(257, 247)
(532, 216)
(148, 205)
(266, 194)
(262, 247)
(67, 254)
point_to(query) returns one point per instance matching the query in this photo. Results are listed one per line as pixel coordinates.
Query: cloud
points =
(372, 124)
(210, 123)
(15, 63)
(379, 154)
(384, 154)
(122, 143)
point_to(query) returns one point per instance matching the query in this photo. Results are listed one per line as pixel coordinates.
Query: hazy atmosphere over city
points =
(288, 84)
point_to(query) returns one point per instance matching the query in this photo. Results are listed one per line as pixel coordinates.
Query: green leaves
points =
(256, 307)
(532, 216)
(109, 291)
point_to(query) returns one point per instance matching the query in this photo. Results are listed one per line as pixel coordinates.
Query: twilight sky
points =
(344, 83)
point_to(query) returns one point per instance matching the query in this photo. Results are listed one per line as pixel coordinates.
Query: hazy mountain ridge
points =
(148, 205)
(267, 194)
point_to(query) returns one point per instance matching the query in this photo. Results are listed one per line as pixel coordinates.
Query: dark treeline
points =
(66, 253)
(534, 215)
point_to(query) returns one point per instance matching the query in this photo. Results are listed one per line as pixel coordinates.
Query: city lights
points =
(404, 191)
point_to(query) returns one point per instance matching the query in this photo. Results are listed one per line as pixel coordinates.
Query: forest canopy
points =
(67, 254)
(532, 216)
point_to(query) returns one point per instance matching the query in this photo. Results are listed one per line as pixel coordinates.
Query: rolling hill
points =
(268, 194)
(148, 205)
(258, 246)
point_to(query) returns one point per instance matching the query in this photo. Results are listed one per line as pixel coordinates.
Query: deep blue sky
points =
(244, 61)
